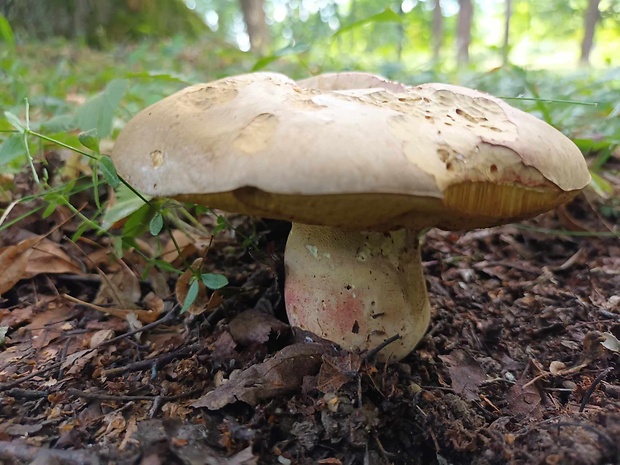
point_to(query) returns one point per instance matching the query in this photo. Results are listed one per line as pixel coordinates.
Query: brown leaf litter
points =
(518, 365)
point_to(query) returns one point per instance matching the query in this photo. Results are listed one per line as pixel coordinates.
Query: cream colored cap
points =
(354, 152)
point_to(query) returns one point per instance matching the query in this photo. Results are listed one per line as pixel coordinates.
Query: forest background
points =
(88, 65)
(73, 72)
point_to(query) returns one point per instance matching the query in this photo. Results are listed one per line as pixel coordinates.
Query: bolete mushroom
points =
(361, 166)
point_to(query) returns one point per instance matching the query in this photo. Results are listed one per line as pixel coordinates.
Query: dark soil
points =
(511, 370)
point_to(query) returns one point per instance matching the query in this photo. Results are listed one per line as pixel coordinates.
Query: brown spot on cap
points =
(157, 158)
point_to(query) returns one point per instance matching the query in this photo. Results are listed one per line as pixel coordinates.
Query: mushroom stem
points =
(357, 288)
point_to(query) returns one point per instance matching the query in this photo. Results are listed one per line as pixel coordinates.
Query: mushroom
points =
(361, 166)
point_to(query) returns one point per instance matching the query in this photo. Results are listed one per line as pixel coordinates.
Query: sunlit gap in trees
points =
(541, 33)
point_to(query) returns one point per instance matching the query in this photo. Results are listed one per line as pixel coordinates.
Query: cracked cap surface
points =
(350, 150)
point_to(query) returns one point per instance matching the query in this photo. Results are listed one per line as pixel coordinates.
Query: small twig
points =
(148, 363)
(535, 379)
(53, 366)
(498, 379)
(371, 354)
(8, 209)
(26, 393)
(16, 452)
(98, 396)
(592, 388)
(63, 357)
(146, 316)
(17, 382)
(157, 403)
(387, 456)
(165, 318)
(505, 264)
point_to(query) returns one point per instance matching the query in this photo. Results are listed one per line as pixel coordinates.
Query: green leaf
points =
(80, 231)
(158, 76)
(590, 145)
(90, 139)
(601, 186)
(98, 112)
(157, 223)
(386, 16)
(222, 224)
(138, 222)
(109, 171)
(165, 266)
(289, 50)
(117, 244)
(192, 293)
(15, 121)
(126, 203)
(12, 148)
(51, 208)
(6, 33)
(58, 123)
(214, 281)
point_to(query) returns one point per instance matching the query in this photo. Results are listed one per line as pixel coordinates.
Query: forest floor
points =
(521, 362)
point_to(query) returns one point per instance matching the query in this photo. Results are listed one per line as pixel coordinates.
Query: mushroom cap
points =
(353, 151)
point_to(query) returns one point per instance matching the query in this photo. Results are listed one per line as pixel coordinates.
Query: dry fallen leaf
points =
(48, 324)
(465, 373)
(132, 427)
(154, 303)
(121, 288)
(16, 316)
(254, 327)
(224, 348)
(338, 370)
(99, 337)
(611, 342)
(556, 367)
(185, 245)
(128, 314)
(13, 262)
(524, 399)
(282, 373)
(203, 302)
(75, 363)
(48, 257)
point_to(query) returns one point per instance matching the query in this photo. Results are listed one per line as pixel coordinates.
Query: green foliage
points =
(98, 112)
(192, 294)
(11, 149)
(210, 280)
(6, 34)
(386, 16)
(157, 223)
(63, 98)
(127, 203)
(214, 281)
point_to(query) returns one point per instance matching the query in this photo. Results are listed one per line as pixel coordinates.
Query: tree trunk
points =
(592, 15)
(437, 30)
(506, 44)
(400, 27)
(256, 26)
(463, 31)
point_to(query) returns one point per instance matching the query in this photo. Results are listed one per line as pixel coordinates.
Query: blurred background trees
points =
(420, 32)
(256, 24)
(98, 20)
